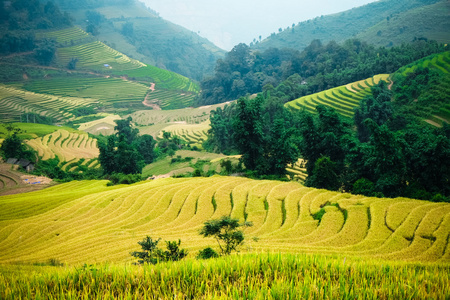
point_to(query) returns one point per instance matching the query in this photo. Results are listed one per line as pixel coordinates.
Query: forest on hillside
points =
(318, 67)
(392, 152)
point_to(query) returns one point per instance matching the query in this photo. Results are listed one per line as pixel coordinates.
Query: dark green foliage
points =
(376, 106)
(72, 64)
(14, 41)
(323, 135)
(36, 118)
(325, 175)
(145, 145)
(119, 178)
(318, 67)
(248, 132)
(207, 253)
(45, 51)
(13, 147)
(94, 17)
(220, 135)
(168, 145)
(363, 186)
(226, 232)
(149, 251)
(265, 136)
(125, 152)
(83, 111)
(128, 30)
(152, 254)
(22, 15)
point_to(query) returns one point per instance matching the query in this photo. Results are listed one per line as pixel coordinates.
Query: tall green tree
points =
(226, 231)
(248, 132)
(126, 152)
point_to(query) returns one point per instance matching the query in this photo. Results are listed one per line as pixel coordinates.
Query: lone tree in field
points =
(226, 232)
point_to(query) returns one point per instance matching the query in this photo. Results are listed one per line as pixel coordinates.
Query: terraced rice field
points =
(101, 58)
(106, 92)
(15, 101)
(440, 62)
(87, 222)
(170, 99)
(95, 55)
(188, 115)
(297, 171)
(193, 134)
(437, 61)
(64, 37)
(73, 165)
(164, 79)
(67, 146)
(343, 99)
(103, 126)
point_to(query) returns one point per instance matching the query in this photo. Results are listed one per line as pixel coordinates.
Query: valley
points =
(335, 150)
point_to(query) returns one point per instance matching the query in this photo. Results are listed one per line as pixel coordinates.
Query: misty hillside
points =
(130, 27)
(384, 15)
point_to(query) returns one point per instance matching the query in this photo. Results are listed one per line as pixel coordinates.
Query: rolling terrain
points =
(151, 39)
(103, 80)
(87, 222)
(384, 23)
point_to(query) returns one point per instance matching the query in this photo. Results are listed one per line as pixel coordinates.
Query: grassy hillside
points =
(431, 22)
(343, 99)
(87, 222)
(152, 39)
(350, 23)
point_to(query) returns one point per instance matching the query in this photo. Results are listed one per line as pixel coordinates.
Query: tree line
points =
(386, 150)
(294, 74)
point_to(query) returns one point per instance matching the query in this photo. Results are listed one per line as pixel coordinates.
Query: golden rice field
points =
(103, 126)
(193, 134)
(344, 99)
(263, 276)
(297, 171)
(88, 222)
(65, 145)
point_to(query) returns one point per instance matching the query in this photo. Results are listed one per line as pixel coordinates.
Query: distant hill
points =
(130, 27)
(431, 22)
(398, 21)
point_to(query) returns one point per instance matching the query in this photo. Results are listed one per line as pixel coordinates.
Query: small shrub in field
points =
(207, 253)
(119, 178)
(152, 254)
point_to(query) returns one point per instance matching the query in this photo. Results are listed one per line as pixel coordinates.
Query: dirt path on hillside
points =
(16, 55)
(390, 85)
(148, 103)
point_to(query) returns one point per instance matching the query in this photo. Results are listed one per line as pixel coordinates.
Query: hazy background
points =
(230, 22)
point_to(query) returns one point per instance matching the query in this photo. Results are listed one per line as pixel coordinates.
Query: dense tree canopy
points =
(296, 73)
(126, 152)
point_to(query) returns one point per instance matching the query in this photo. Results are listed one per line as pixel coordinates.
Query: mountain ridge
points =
(345, 25)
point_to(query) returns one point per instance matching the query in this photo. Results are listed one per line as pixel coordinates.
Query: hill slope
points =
(348, 24)
(131, 28)
(431, 22)
(86, 222)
